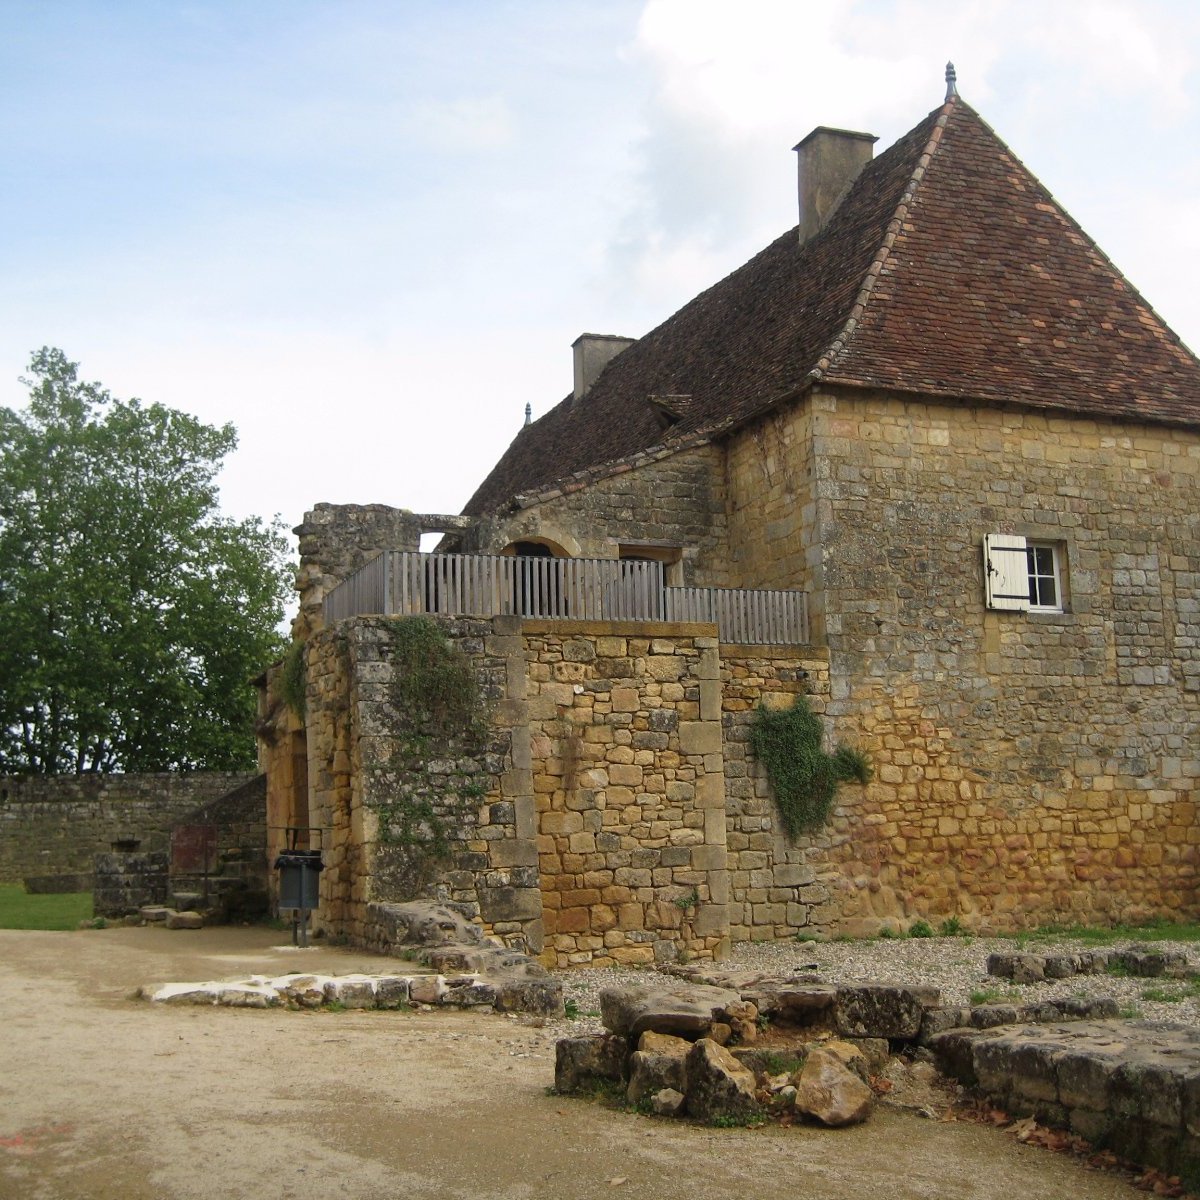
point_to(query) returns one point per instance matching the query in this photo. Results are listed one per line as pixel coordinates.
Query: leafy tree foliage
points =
(132, 614)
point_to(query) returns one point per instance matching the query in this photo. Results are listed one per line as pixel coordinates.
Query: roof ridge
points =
(843, 336)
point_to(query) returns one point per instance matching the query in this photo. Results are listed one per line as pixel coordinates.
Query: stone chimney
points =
(593, 352)
(829, 161)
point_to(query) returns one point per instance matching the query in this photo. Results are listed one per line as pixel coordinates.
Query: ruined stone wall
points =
(1030, 767)
(56, 825)
(338, 539)
(409, 812)
(334, 782)
(625, 729)
(674, 501)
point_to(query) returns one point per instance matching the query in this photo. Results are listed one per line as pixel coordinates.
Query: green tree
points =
(132, 614)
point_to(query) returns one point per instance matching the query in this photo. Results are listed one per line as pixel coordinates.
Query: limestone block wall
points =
(772, 494)
(1030, 767)
(777, 887)
(55, 825)
(628, 779)
(678, 500)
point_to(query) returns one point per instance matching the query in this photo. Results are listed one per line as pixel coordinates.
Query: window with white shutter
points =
(1006, 571)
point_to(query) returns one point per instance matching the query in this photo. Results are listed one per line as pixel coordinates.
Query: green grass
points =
(19, 910)
(1156, 931)
(992, 995)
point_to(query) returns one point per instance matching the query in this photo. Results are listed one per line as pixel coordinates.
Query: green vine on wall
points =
(433, 684)
(802, 775)
(438, 714)
(292, 680)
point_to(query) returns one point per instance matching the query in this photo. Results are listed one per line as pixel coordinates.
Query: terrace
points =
(400, 582)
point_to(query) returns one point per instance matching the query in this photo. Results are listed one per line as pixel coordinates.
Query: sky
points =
(366, 232)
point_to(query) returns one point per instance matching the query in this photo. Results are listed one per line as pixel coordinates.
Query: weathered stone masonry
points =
(56, 825)
(593, 824)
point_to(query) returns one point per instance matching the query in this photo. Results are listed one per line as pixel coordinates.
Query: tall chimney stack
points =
(593, 352)
(829, 161)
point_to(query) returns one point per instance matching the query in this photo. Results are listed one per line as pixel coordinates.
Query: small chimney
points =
(829, 161)
(593, 352)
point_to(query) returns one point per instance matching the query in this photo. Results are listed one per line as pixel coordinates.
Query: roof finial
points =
(528, 413)
(951, 81)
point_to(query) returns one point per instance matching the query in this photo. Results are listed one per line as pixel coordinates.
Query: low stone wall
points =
(1128, 1086)
(56, 825)
(128, 881)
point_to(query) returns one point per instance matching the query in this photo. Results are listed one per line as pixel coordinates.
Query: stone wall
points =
(773, 490)
(1030, 767)
(625, 729)
(338, 539)
(612, 813)
(777, 887)
(675, 501)
(56, 825)
(409, 812)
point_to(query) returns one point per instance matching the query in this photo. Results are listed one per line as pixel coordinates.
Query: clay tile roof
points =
(947, 270)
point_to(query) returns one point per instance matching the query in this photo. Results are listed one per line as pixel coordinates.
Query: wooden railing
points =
(590, 589)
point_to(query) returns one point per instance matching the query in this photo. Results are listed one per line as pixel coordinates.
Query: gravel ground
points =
(957, 966)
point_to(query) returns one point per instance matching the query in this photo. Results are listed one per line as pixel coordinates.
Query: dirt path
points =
(105, 1096)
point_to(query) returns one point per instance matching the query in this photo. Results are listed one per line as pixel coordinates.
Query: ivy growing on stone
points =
(433, 684)
(291, 683)
(802, 775)
(439, 719)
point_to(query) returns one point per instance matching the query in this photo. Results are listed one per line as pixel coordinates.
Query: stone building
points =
(938, 410)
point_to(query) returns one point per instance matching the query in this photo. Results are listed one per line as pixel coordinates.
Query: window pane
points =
(1043, 578)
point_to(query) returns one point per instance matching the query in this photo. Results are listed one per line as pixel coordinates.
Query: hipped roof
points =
(948, 270)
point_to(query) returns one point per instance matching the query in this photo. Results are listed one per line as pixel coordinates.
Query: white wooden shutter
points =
(1006, 571)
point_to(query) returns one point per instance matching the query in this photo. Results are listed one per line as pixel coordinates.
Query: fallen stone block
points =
(234, 995)
(938, 1020)
(350, 992)
(716, 1084)
(184, 993)
(850, 1056)
(667, 1103)
(474, 993)
(1147, 963)
(154, 912)
(656, 1066)
(306, 991)
(542, 997)
(892, 1011)
(988, 1016)
(427, 989)
(184, 920)
(680, 1010)
(391, 991)
(827, 1089)
(583, 1063)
